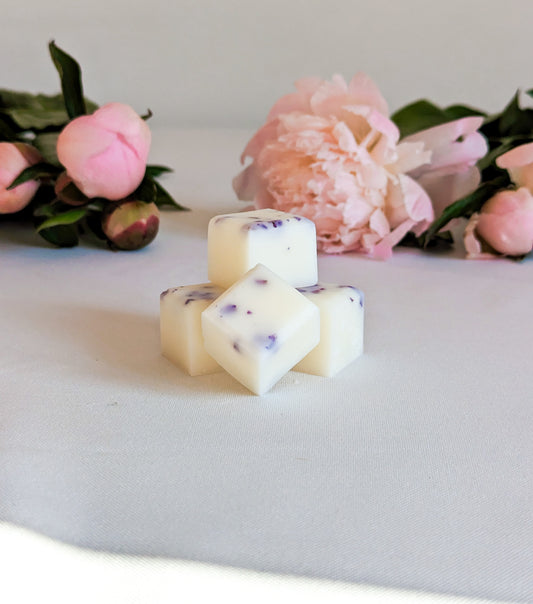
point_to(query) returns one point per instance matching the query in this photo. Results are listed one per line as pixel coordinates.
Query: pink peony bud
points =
(519, 163)
(505, 224)
(14, 158)
(105, 153)
(67, 192)
(131, 224)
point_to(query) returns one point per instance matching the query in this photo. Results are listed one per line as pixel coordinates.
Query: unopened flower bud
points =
(14, 158)
(68, 192)
(131, 225)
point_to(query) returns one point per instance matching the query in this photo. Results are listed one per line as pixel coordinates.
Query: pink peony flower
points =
(519, 163)
(14, 158)
(105, 153)
(452, 172)
(329, 152)
(504, 225)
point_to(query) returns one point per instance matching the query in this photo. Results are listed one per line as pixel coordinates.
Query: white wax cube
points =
(180, 324)
(260, 328)
(283, 242)
(341, 328)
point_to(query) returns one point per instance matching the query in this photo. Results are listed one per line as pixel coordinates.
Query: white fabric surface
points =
(411, 469)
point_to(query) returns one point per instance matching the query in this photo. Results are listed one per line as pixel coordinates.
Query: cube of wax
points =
(341, 328)
(260, 328)
(180, 323)
(284, 243)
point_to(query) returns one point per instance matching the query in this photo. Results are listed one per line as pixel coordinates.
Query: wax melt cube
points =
(341, 328)
(284, 243)
(180, 323)
(260, 328)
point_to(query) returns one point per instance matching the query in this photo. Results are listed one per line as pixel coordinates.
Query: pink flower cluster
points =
(330, 152)
(504, 226)
(104, 154)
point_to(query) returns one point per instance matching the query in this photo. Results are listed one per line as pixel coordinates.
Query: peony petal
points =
(408, 200)
(246, 183)
(519, 163)
(409, 157)
(458, 156)
(267, 133)
(345, 138)
(444, 134)
(517, 157)
(379, 223)
(383, 250)
(296, 101)
(364, 91)
(329, 97)
(444, 189)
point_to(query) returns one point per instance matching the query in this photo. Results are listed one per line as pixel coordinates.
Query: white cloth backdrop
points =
(411, 469)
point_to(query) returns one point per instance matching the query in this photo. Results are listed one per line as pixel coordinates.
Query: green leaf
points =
(35, 172)
(7, 132)
(93, 222)
(440, 241)
(418, 116)
(514, 120)
(37, 119)
(36, 111)
(46, 144)
(455, 112)
(466, 206)
(64, 218)
(154, 171)
(46, 210)
(163, 198)
(71, 84)
(424, 114)
(61, 235)
(146, 191)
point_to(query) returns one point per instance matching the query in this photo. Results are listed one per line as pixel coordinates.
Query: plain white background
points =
(224, 62)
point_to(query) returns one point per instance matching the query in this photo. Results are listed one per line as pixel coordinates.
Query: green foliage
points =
(71, 85)
(424, 114)
(503, 131)
(38, 119)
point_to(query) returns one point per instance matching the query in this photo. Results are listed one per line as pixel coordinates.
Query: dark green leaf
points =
(61, 235)
(7, 132)
(36, 111)
(93, 222)
(418, 116)
(466, 206)
(146, 191)
(35, 172)
(154, 171)
(424, 114)
(514, 120)
(71, 84)
(165, 199)
(455, 112)
(64, 218)
(38, 119)
(440, 241)
(46, 210)
(46, 144)
(14, 99)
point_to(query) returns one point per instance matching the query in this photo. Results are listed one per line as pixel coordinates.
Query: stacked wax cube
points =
(264, 313)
